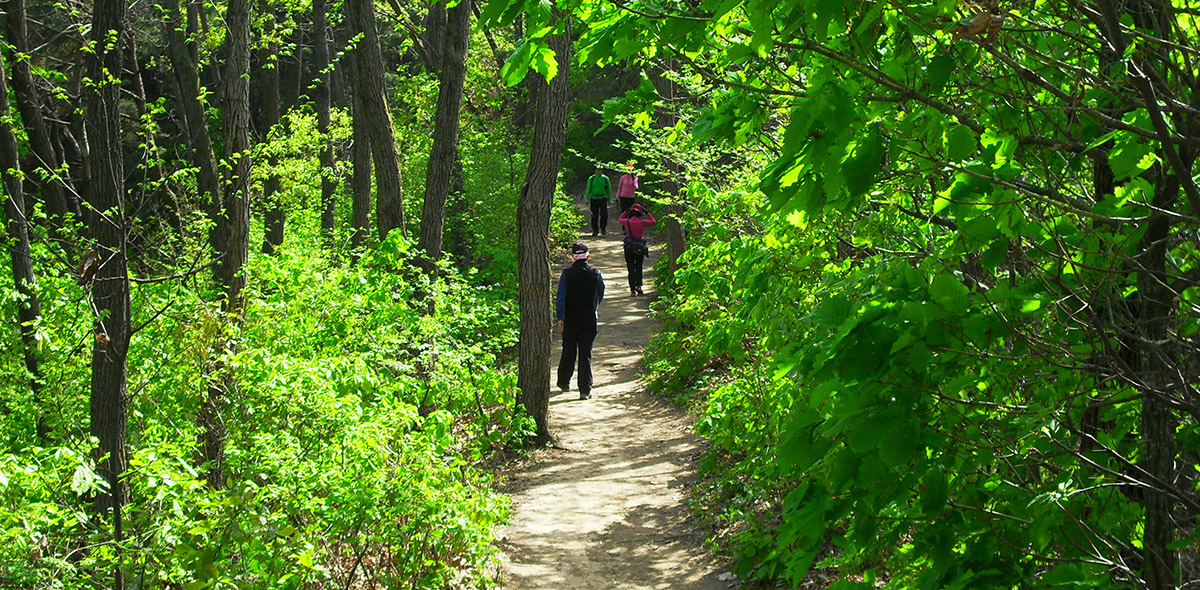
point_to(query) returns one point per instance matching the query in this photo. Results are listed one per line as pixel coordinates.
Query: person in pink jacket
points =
(627, 187)
(635, 220)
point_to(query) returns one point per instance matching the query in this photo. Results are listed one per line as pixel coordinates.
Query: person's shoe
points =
(563, 388)
(640, 292)
(633, 292)
(604, 232)
(594, 233)
(585, 396)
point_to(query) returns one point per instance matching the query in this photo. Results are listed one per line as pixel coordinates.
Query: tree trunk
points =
(268, 118)
(321, 44)
(369, 83)
(59, 201)
(667, 117)
(29, 307)
(1155, 370)
(444, 154)
(360, 214)
(533, 238)
(181, 52)
(236, 118)
(110, 287)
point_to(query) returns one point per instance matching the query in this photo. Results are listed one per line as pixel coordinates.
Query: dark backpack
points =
(636, 247)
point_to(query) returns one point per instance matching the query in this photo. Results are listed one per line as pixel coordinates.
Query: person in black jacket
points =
(580, 291)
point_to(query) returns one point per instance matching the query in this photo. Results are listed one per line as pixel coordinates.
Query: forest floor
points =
(609, 510)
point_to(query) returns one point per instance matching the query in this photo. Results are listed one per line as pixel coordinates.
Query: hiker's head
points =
(579, 251)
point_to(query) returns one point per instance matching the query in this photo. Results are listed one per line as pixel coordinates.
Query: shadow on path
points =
(610, 511)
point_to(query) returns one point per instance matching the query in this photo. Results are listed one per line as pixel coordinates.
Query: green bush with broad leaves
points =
(357, 436)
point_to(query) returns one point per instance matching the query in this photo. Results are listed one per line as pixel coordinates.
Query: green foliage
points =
(926, 362)
(358, 426)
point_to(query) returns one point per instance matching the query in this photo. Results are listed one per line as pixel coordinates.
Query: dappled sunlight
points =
(609, 508)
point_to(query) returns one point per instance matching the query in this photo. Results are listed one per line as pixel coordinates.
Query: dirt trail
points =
(610, 510)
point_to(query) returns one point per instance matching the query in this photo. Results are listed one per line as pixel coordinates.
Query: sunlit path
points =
(611, 510)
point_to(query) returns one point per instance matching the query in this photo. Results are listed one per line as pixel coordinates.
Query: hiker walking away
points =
(598, 193)
(627, 187)
(635, 221)
(580, 291)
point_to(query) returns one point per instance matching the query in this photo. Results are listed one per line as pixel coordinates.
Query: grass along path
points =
(609, 510)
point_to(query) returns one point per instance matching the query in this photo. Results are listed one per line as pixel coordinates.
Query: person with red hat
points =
(635, 221)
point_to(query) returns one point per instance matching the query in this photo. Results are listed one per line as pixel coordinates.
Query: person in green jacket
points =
(598, 193)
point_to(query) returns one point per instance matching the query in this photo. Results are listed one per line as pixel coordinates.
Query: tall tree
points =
(370, 85)
(360, 183)
(533, 232)
(236, 119)
(444, 155)
(29, 308)
(108, 220)
(269, 112)
(30, 103)
(666, 117)
(182, 54)
(323, 99)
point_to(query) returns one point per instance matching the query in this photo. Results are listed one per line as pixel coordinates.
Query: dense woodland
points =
(278, 301)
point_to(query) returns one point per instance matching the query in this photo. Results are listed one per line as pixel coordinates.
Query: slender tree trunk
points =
(236, 118)
(533, 238)
(29, 308)
(59, 201)
(181, 52)
(673, 230)
(269, 117)
(321, 46)
(360, 214)
(369, 83)
(1161, 561)
(444, 154)
(110, 287)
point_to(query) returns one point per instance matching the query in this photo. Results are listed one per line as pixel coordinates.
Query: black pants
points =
(626, 203)
(577, 343)
(633, 263)
(599, 215)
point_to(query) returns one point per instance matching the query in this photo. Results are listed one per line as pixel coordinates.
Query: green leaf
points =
(517, 65)
(960, 143)
(863, 166)
(1130, 158)
(545, 62)
(948, 292)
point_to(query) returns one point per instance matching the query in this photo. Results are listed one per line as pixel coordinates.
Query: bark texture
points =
(360, 214)
(30, 103)
(181, 53)
(533, 238)
(440, 172)
(369, 84)
(322, 91)
(269, 117)
(29, 308)
(110, 287)
(667, 117)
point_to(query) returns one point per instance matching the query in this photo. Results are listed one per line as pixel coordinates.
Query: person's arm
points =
(608, 193)
(624, 215)
(650, 220)
(599, 289)
(635, 182)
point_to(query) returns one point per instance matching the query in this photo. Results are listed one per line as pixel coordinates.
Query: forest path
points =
(610, 510)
